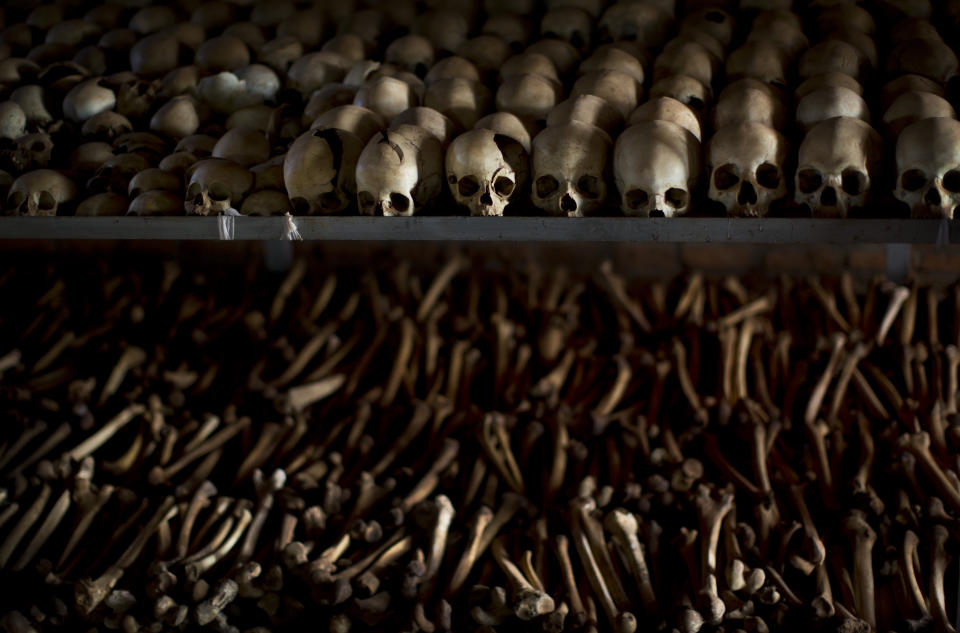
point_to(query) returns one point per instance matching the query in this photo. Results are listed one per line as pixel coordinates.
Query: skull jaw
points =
(206, 205)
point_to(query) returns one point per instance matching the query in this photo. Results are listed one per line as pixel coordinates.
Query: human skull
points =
(929, 58)
(103, 205)
(831, 79)
(908, 83)
(508, 125)
(535, 63)
(154, 179)
(214, 185)
(516, 30)
(562, 53)
(265, 203)
(488, 52)
(746, 168)
(485, 171)
(833, 56)
(617, 88)
(656, 165)
(571, 24)
(40, 193)
(399, 172)
(684, 58)
(115, 173)
(453, 66)
(571, 169)
(667, 109)
(914, 106)
(590, 109)
(759, 59)
(530, 97)
(462, 100)
(837, 163)
(928, 168)
(413, 52)
(13, 120)
(107, 124)
(32, 151)
(686, 90)
(447, 29)
(387, 96)
(87, 99)
(319, 171)
(712, 20)
(746, 103)
(609, 57)
(641, 22)
(244, 146)
(157, 202)
(429, 119)
(830, 102)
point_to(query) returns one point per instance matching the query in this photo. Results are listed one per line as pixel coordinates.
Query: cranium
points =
(535, 63)
(609, 57)
(759, 59)
(214, 185)
(13, 120)
(243, 146)
(827, 103)
(928, 168)
(928, 58)
(306, 25)
(863, 43)
(249, 33)
(93, 58)
(656, 165)
(712, 20)
(154, 54)
(157, 202)
(512, 28)
(115, 173)
(136, 98)
(488, 52)
(590, 109)
(908, 83)
(199, 144)
(615, 87)
(32, 151)
(780, 29)
(40, 193)
(429, 119)
(641, 22)
(399, 172)
(327, 98)
(530, 97)
(508, 125)
(463, 100)
(562, 53)
(264, 203)
(745, 102)
(225, 92)
(827, 80)
(685, 58)
(259, 80)
(280, 53)
(103, 205)
(453, 66)
(686, 90)
(261, 118)
(837, 163)
(571, 24)
(176, 118)
(485, 171)
(667, 109)
(746, 168)
(387, 96)
(31, 100)
(413, 52)
(178, 162)
(914, 106)
(154, 179)
(88, 98)
(846, 15)
(88, 157)
(355, 119)
(319, 171)
(221, 53)
(350, 45)
(447, 29)
(571, 169)
(314, 70)
(151, 19)
(833, 56)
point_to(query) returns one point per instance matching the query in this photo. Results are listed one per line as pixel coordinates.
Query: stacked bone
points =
(463, 451)
(475, 107)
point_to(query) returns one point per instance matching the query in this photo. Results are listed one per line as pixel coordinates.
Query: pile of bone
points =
(574, 108)
(462, 451)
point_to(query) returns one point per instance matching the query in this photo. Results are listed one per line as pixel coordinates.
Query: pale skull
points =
(838, 161)
(571, 169)
(399, 172)
(40, 193)
(911, 107)
(830, 102)
(485, 171)
(746, 168)
(656, 165)
(319, 171)
(215, 185)
(928, 168)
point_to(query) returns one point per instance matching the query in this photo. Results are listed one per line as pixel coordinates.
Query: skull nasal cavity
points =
(747, 195)
(932, 196)
(829, 197)
(567, 203)
(485, 199)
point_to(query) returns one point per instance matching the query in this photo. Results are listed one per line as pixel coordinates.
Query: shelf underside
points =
(517, 229)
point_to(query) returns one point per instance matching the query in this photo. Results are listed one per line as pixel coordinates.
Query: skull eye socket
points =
(399, 202)
(46, 202)
(636, 199)
(193, 190)
(37, 146)
(589, 186)
(300, 205)
(218, 193)
(951, 181)
(853, 182)
(468, 186)
(809, 180)
(503, 186)
(330, 201)
(768, 176)
(913, 179)
(725, 177)
(676, 197)
(365, 200)
(16, 199)
(546, 185)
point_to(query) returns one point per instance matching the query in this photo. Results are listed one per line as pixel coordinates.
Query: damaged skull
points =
(215, 185)
(486, 170)
(40, 193)
(399, 172)
(319, 171)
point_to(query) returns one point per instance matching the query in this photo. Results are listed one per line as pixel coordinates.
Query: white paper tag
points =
(226, 223)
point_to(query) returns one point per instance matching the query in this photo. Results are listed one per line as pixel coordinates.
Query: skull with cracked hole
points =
(40, 193)
(928, 168)
(214, 185)
(571, 169)
(399, 172)
(746, 168)
(911, 107)
(641, 22)
(837, 163)
(485, 171)
(827, 103)
(319, 171)
(508, 125)
(656, 165)
(686, 90)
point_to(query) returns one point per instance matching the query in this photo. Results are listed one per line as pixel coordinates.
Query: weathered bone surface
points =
(399, 172)
(571, 166)
(656, 165)
(746, 165)
(486, 170)
(928, 167)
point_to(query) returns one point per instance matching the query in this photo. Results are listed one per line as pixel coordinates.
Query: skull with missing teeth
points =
(215, 185)
(746, 168)
(571, 169)
(486, 170)
(837, 162)
(319, 171)
(656, 165)
(399, 172)
(928, 167)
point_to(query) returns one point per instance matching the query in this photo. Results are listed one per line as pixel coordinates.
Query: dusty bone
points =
(19, 531)
(623, 526)
(529, 602)
(105, 432)
(656, 166)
